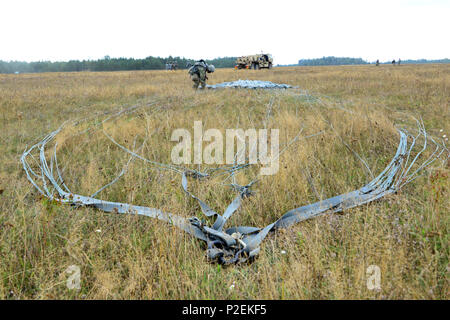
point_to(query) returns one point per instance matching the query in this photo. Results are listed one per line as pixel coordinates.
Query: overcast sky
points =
(290, 30)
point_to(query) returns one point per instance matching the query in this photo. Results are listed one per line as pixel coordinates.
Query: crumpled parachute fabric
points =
(250, 84)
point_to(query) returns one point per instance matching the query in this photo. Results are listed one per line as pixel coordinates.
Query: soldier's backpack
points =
(195, 67)
(193, 70)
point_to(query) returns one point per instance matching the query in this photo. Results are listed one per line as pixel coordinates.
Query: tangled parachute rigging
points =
(241, 243)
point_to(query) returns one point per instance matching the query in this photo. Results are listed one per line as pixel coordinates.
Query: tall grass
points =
(129, 257)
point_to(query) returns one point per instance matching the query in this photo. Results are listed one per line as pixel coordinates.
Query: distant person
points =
(198, 73)
(399, 61)
(393, 62)
(377, 63)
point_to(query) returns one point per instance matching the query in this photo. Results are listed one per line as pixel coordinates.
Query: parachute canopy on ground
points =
(250, 84)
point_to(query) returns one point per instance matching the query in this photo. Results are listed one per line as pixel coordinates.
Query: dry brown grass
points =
(406, 235)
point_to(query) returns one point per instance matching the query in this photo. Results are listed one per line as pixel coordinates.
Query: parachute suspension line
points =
(241, 243)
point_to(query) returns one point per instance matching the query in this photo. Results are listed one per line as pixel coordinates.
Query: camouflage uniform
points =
(198, 74)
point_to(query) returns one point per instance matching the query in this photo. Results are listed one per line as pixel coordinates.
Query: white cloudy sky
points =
(290, 30)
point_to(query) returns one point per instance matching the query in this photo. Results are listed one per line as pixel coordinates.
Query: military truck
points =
(255, 62)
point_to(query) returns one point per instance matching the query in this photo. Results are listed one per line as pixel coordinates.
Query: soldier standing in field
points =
(198, 73)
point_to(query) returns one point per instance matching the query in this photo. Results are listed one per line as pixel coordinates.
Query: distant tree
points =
(226, 62)
(158, 63)
(425, 61)
(331, 61)
(106, 64)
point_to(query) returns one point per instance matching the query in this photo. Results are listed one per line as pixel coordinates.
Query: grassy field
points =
(130, 257)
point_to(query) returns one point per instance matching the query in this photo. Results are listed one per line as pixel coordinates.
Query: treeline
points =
(331, 61)
(419, 61)
(225, 62)
(106, 64)
(334, 61)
